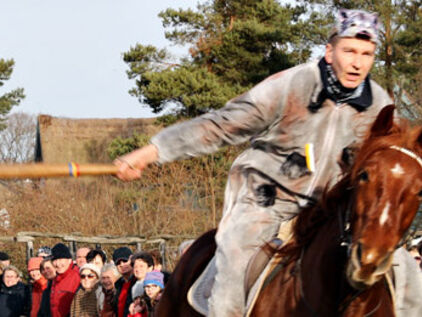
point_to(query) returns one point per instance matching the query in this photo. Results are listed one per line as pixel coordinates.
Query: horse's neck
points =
(324, 259)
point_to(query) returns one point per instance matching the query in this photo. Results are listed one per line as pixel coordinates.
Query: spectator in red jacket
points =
(38, 282)
(65, 284)
(123, 297)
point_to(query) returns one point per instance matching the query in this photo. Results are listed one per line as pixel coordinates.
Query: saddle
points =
(260, 265)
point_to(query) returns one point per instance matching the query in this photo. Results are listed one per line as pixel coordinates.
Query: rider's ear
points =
(384, 122)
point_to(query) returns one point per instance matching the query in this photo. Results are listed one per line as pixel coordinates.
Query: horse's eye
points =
(363, 176)
(420, 194)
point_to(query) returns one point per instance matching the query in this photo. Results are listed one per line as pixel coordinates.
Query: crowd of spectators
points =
(415, 249)
(128, 285)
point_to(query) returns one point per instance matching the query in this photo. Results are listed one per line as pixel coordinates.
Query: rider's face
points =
(351, 59)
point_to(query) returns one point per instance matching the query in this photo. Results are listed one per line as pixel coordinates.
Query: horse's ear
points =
(384, 121)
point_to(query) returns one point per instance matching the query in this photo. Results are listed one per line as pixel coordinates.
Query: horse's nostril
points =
(359, 253)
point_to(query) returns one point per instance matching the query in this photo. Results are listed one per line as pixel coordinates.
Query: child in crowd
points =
(144, 304)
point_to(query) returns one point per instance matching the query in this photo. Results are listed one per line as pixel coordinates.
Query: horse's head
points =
(386, 180)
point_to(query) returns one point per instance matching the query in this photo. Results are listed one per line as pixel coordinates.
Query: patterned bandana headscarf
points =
(357, 23)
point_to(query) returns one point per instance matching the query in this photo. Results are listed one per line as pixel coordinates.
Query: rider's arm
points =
(131, 165)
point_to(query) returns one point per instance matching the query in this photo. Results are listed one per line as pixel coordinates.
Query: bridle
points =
(345, 222)
(346, 236)
(407, 237)
(408, 153)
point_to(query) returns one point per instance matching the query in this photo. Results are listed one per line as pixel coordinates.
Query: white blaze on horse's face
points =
(370, 256)
(398, 170)
(384, 215)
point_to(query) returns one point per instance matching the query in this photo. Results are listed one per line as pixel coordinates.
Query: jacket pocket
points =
(295, 166)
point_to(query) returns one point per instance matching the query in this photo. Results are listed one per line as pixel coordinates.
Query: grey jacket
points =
(279, 116)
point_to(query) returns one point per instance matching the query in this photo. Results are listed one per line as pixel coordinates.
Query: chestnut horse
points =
(342, 249)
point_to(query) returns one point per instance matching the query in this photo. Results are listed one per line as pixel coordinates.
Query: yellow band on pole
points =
(310, 158)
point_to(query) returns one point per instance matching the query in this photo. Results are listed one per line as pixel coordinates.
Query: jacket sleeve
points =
(243, 117)
(44, 310)
(27, 300)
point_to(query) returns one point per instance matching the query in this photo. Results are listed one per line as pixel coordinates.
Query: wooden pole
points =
(43, 170)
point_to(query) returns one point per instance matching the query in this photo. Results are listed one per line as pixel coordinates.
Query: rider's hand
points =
(131, 165)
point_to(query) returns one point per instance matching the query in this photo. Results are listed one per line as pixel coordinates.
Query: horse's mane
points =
(336, 199)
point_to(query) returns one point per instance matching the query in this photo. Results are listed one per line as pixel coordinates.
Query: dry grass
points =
(182, 198)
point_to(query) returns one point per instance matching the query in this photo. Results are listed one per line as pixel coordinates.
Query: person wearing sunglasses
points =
(85, 302)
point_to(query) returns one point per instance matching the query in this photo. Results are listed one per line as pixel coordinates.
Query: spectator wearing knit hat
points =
(85, 303)
(144, 302)
(4, 261)
(154, 285)
(65, 284)
(44, 252)
(38, 282)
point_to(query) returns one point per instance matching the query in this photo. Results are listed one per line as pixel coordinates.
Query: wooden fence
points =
(73, 239)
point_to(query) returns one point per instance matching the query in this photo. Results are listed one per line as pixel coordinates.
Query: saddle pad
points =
(200, 291)
(284, 234)
(257, 287)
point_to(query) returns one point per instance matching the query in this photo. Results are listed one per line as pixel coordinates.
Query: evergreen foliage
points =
(232, 46)
(121, 146)
(9, 99)
(235, 44)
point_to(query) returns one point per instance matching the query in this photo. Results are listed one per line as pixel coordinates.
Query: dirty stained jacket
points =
(280, 116)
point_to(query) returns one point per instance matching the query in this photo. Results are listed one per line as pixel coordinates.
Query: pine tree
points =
(9, 99)
(409, 54)
(232, 46)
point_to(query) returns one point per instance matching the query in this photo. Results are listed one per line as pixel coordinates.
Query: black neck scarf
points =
(359, 97)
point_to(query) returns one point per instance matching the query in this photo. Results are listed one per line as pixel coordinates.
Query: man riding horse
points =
(300, 124)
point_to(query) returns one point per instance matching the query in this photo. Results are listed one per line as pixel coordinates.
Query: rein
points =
(301, 291)
(345, 225)
(346, 232)
(345, 240)
(418, 159)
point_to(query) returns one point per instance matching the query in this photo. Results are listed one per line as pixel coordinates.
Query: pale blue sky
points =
(68, 54)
